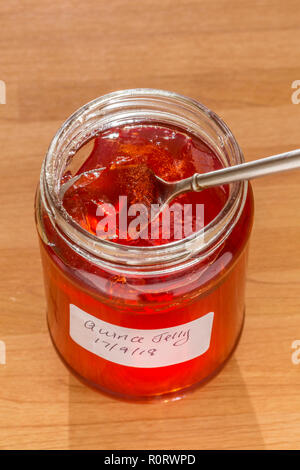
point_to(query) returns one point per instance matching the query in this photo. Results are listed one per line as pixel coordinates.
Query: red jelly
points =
(119, 164)
(142, 316)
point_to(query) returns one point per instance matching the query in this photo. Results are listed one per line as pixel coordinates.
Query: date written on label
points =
(141, 348)
(126, 350)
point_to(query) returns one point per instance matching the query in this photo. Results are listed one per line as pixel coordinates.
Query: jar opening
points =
(133, 107)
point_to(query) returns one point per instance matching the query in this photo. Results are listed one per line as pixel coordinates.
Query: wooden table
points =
(240, 59)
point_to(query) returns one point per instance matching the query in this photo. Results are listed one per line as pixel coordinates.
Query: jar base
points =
(173, 395)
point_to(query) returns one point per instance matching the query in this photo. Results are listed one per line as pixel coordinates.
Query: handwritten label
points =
(141, 348)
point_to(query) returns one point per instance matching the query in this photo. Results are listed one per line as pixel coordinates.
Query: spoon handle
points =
(246, 171)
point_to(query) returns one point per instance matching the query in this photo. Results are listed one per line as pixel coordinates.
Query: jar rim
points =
(110, 253)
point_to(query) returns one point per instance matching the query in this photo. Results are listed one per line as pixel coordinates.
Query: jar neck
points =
(133, 107)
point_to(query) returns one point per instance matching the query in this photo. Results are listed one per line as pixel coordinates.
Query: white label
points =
(141, 348)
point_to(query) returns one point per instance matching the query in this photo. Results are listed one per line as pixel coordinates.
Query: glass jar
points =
(140, 322)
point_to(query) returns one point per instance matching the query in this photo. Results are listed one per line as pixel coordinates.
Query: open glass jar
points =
(141, 322)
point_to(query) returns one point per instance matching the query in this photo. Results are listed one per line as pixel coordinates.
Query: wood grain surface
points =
(238, 58)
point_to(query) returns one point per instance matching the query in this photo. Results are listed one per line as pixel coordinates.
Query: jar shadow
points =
(216, 415)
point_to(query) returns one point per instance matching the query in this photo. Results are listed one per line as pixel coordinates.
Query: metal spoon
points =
(244, 171)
